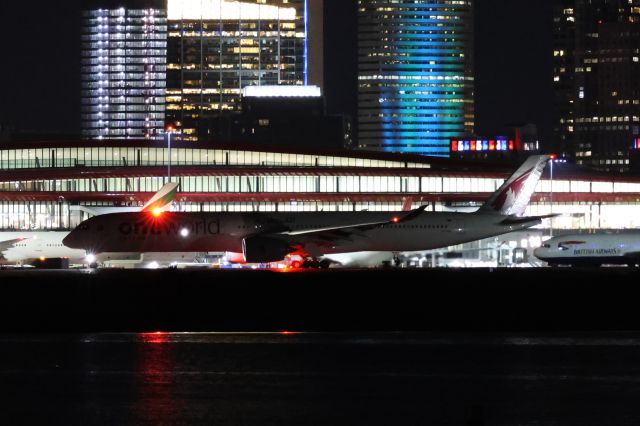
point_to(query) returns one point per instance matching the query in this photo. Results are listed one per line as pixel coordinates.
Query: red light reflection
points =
(154, 380)
(155, 337)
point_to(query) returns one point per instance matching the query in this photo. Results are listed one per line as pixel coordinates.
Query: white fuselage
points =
(592, 249)
(48, 245)
(224, 232)
(35, 245)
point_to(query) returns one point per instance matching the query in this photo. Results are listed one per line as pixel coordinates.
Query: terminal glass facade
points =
(58, 186)
(124, 55)
(415, 72)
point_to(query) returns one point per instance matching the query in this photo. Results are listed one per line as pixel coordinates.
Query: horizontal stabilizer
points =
(515, 220)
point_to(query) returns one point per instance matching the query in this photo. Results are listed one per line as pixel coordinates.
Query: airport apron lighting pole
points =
(553, 159)
(168, 130)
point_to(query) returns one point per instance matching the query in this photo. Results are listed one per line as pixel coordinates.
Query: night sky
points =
(40, 72)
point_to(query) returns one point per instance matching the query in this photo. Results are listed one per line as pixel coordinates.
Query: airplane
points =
(263, 237)
(622, 248)
(24, 246)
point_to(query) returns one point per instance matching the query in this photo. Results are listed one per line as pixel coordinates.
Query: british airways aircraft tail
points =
(512, 198)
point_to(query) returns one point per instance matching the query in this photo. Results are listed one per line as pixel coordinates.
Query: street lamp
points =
(168, 130)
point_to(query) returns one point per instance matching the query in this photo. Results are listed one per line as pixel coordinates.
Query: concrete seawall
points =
(334, 300)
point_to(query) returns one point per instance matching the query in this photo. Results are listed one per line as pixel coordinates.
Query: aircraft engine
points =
(264, 249)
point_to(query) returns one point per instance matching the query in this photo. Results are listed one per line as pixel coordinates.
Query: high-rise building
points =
(124, 59)
(564, 37)
(597, 89)
(218, 47)
(415, 73)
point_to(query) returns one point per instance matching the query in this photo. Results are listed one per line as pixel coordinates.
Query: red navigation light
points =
(473, 145)
(395, 220)
(454, 145)
(511, 146)
(492, 145)
(553, 156)
(169, 128)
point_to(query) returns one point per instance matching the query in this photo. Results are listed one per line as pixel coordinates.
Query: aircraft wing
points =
(7, 244)
(361, 226)
(310, 240)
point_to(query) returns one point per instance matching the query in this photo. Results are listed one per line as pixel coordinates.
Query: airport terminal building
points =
(56, 185)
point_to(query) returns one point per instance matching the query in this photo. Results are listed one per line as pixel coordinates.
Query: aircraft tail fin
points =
(407, 204)
(162, 198)
(515, 193)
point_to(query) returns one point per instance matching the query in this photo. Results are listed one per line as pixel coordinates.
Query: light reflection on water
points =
(154, 382)
(621, 339)
(399, 338)
(321, 378)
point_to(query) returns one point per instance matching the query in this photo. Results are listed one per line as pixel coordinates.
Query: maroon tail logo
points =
(511, 192)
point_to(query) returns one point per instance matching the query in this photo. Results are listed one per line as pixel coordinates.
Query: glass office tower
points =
(216, 48)
(124, 55)
(415, 75)
(596, 81)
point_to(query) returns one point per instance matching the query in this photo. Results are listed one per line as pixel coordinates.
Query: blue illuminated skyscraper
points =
(415, 74)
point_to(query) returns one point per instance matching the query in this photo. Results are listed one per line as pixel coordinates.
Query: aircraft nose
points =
(71, 240)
